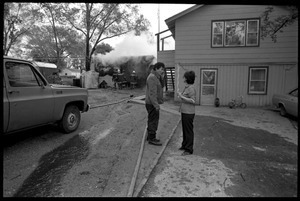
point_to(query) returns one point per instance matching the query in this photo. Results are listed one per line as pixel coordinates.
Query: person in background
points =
(154, 97)
(187, 109)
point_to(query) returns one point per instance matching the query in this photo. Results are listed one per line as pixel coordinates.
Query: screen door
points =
(208, 86)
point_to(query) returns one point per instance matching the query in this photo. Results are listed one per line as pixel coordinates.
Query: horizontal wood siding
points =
(193, 38)
(232, 81)
(167, 57)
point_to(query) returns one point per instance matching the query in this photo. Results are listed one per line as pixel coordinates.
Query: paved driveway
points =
(237, 152)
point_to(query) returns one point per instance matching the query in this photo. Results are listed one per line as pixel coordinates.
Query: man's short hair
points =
(158, 65)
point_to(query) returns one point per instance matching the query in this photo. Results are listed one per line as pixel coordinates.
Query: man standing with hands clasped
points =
(154, 97)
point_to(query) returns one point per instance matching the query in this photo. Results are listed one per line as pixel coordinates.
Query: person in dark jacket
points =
(187, 109)
(154, 97)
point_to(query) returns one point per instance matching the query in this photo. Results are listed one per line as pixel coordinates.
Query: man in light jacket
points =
(154, 97)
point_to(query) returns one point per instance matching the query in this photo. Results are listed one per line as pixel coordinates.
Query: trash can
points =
(76, 82)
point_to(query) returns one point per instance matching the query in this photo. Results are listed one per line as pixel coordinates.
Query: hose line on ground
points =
(107, 104)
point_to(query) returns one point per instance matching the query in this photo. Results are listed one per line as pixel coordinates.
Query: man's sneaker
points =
(154, 142)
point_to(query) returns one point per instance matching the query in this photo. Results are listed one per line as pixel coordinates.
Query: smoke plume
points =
(131, 46)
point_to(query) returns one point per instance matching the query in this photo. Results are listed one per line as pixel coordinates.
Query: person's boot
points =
(154, 139)
(154, 142)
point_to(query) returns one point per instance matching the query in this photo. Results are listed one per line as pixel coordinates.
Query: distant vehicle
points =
(288, 103)
(30, 101)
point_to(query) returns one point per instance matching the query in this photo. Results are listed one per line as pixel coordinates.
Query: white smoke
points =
(131, 45)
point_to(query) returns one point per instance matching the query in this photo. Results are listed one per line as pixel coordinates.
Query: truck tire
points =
(70, 120)
(282, 111)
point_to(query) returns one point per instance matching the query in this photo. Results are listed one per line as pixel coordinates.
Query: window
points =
(252, 33)
(218, 34)
(235, 33)
(258, 80)
(21, 75)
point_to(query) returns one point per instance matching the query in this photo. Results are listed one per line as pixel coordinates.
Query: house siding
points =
(232, 81)
(167, 57)
(193, 38)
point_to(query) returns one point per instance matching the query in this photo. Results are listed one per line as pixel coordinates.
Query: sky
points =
(130, 45)
(150, 12)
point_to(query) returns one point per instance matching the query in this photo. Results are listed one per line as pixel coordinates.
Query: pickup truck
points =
(30, 101)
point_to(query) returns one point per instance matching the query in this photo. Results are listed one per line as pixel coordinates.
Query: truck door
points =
(31, 103)
(5, 108)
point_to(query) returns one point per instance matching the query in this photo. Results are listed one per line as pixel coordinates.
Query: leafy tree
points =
(271, 26)
(40, 44)
(44, 48)
(98, 22)
(18, 19)
(103, 48)
(52, 13)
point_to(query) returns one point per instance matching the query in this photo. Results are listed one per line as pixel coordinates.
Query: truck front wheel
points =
(70, 120)
(282, 111)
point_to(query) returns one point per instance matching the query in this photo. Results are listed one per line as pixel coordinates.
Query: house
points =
(222, 45)
(70, 72)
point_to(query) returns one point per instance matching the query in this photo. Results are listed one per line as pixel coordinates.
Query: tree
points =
(52, 13)
(41, 45)
(270, 27)
(103, 48)
(44, 48)
(18, 19)
(98, 22)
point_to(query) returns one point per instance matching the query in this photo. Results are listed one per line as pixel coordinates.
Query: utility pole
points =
(158, 17)
(158, 20)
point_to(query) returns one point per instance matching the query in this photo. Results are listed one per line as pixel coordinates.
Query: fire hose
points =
(113, 103)
(144, 181)
(134, 177)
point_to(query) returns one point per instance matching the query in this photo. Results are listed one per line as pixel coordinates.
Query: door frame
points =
(216, 84)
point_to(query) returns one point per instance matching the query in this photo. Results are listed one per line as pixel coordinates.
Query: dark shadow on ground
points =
(266, 164)
(44, 180)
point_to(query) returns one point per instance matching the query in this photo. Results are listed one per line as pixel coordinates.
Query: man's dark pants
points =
(188, 131)
(153, 118)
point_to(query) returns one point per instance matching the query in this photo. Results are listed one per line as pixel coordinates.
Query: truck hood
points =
(62, 86)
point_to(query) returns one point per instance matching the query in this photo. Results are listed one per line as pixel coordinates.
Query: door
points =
(5, 108)
(30, 102)
(208, 86)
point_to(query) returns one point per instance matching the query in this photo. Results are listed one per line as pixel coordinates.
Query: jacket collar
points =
(156, 74)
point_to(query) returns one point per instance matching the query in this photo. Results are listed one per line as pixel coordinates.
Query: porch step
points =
(170, 78)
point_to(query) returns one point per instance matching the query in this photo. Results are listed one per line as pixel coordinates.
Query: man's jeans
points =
(153, 118)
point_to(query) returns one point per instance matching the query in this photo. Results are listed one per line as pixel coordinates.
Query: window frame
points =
(212, 35)
(257, 32)
(25, 83)
(225, 33)
(246, 33)
(266, 68)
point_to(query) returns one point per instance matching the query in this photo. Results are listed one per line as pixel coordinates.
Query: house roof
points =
(45, 65)
(171, 20)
